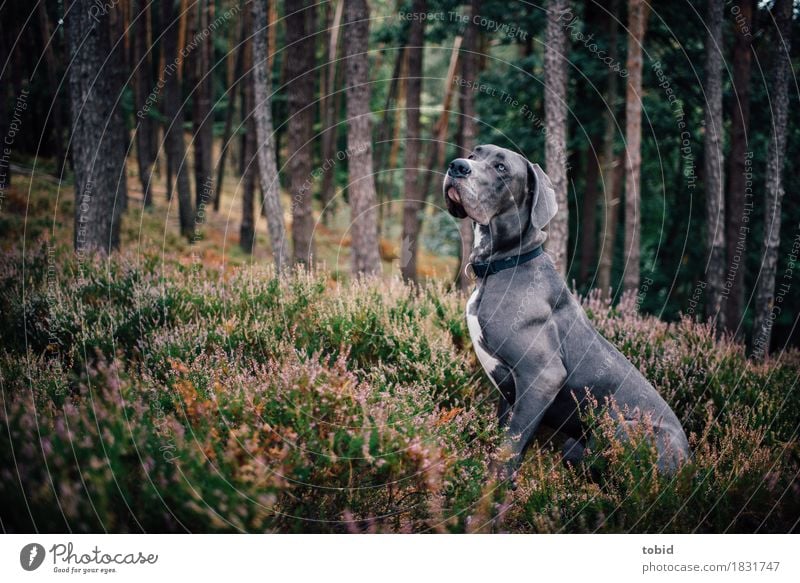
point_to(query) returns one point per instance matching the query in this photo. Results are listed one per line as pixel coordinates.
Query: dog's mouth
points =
(452, 193)
(452, 190)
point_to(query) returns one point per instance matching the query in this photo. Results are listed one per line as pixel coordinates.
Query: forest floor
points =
(40, 205)
(31, 203)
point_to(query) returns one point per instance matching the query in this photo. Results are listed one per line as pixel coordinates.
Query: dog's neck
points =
(505, 236)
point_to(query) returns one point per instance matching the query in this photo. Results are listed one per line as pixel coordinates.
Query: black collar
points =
(484, 269)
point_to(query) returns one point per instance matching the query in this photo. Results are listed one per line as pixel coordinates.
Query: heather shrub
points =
(143, 394)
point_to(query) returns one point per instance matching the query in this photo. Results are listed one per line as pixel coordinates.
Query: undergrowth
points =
(139, 394)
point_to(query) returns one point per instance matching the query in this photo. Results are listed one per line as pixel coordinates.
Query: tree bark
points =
(5, 117)
(143, 86)
(611, 199)
(588, 227)
(272, 34)
(384, 146)
(468, 130)
(738, 191)
(203, 116)
(386, 191)
(364, 247)
(638, 12)
(173, 114)
(555, 114)
(301, 42)
(118, 62)
(247, 229)
(267, 165)
(713, 168)
(765, 287)
(329, 123)
(413, 205)
(235, 73)
(96, 154)
(183, 25)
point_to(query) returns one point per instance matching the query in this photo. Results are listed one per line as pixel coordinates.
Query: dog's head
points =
(495, 182)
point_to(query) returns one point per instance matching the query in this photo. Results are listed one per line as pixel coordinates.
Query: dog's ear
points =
(543, 197)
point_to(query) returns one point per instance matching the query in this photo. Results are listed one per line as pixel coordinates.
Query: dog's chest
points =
(487, 360)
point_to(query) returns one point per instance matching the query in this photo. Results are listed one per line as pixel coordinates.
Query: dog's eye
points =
(471, 157)
(500, 167)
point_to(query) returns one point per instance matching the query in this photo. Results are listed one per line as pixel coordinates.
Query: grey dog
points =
(531, 335)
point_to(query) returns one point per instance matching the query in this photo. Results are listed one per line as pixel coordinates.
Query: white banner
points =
(389, 558)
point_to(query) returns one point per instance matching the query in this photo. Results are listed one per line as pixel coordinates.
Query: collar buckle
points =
(469, 271)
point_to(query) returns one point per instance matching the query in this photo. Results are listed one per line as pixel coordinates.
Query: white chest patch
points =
(477, 238)
(488, 362)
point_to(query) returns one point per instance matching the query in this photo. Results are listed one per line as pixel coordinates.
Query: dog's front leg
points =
(533, 399)
(503, 379)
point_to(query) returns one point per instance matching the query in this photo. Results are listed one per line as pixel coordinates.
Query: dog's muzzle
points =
(459, 168)
(457, 172)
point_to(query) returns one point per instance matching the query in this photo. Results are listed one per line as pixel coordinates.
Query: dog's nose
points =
(459, 168)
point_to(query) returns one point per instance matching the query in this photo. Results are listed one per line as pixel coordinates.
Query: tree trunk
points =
(555, 114)
(235, 82)
(163, 32)
(738, 191)
(280, 131)
(414, 202)
(765, 288)
(143, 85)
(95, 153)
(713, 167)
(436, 149)
(272, 35)
(173, 114)
(364, 247)
(638, 12)
(203, 116)
(301, 42)
(5, 117)
(396, 108)
(330, 126)
(247, 229)
(468, 130)
(267, 165)
(384, 146)
(117, 62)
(48, 39)
(183, 24)
(609, 161)
(588, 227)
(189, 81)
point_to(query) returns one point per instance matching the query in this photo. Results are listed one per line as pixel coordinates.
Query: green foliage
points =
(141, 395)
(673, 224)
